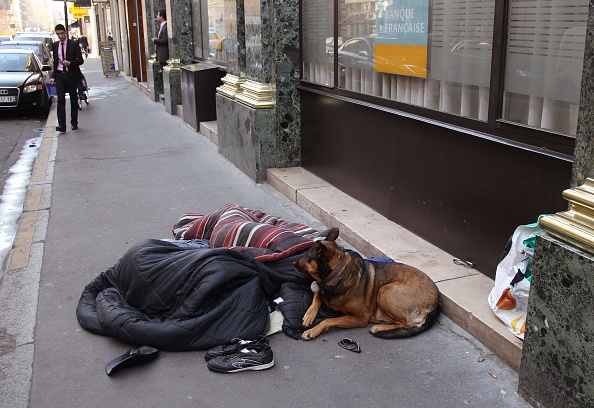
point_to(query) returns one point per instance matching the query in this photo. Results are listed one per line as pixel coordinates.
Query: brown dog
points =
(400, 299)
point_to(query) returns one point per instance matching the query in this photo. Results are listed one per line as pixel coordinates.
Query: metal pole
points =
(66, 17)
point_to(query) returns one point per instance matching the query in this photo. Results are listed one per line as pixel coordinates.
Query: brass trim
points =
(231, 85)
(575, 226)
(256, 95)
(172, 65)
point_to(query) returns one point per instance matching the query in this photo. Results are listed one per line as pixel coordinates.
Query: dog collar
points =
(337, 267)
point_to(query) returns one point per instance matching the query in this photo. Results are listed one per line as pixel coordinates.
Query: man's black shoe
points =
(233, 347)
(250, 358)
(132, 357)
(61, 129)
(74, 127)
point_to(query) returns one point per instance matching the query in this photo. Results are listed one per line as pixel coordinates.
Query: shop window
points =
(543, 70)
(210, 30)
(456, 41)
(318, 41)
(442, 61)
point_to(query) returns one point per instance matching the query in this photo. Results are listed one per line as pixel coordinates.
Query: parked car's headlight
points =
(32, 88)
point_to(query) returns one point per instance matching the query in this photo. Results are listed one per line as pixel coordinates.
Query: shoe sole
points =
(237, 370)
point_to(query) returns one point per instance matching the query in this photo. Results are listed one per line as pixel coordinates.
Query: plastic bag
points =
(509, 297)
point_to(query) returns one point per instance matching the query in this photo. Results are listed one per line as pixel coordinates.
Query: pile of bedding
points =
(172, 295)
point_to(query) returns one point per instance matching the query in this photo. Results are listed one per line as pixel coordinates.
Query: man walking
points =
(161, 39)
(67, 61)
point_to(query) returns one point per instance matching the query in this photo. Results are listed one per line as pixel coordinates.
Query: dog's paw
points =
(308, 335)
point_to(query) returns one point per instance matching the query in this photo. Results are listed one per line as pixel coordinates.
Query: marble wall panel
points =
(286, 73)
(172, 90)
(557, 363)
(258, 39)
(246, 136)
(179, 30)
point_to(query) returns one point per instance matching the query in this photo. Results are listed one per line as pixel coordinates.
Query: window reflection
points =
(216, 31)
(544, 63)
(452, 74)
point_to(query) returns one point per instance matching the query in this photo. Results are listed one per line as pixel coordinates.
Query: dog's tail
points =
(403, 332)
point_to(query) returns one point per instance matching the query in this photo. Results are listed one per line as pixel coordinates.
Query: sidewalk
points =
(129, 173)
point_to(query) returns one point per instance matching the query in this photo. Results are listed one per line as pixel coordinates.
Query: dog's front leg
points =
(345, 322)
(312, 311)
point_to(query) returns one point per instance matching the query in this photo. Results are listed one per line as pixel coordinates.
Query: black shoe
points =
(74, 127)
(61, 129)
(250, 358)
(233, 347)
(132, 357)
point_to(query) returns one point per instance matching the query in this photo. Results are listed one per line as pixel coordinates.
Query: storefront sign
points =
(108, 60)
(78, 12)
(400, 46)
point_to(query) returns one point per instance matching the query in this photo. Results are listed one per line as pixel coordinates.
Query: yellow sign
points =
(78, 12)
(400, 46)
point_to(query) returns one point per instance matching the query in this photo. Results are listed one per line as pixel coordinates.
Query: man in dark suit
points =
(67, 61)
(161, 39)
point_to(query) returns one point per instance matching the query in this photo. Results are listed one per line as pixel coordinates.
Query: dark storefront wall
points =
(461, 192)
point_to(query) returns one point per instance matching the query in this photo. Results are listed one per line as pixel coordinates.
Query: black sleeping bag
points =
(172, 298)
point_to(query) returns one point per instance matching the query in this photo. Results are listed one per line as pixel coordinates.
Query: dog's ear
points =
(314, 251)
(332, 234)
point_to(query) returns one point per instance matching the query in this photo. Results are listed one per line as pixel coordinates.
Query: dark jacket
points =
(161, 43)
(73, 54)
(164, 296)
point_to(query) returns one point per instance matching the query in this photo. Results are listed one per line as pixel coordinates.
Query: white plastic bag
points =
(509, 297)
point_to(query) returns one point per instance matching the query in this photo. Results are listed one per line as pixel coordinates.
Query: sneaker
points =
(252, 357)
(233, 347)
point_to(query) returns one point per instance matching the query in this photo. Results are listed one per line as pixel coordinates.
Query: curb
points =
(19, 289)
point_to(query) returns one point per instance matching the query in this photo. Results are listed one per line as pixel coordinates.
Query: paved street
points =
(128, 173)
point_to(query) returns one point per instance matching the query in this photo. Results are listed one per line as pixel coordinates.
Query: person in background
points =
(161, 40)
(84, 45)
(66, 75)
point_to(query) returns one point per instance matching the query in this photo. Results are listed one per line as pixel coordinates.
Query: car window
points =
(355, 46)
(31, 47)
(17, 63)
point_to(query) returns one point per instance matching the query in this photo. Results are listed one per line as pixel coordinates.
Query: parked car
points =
(356, 53)
(5, 38)
(40, 49)
(23, 81)
(46, 37)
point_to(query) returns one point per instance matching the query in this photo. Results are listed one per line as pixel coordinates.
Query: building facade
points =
(456, 121)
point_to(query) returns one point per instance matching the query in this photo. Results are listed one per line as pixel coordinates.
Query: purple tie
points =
(64, 57)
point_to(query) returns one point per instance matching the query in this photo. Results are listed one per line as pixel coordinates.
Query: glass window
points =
(438, 55)
(434, 56)
(544, 62)
(318, 41)
(209, 15)
(216, 29)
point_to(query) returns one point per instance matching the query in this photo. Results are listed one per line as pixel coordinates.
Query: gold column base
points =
(231, 85)
(576, 226)
(172, 65)
(256, 95)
